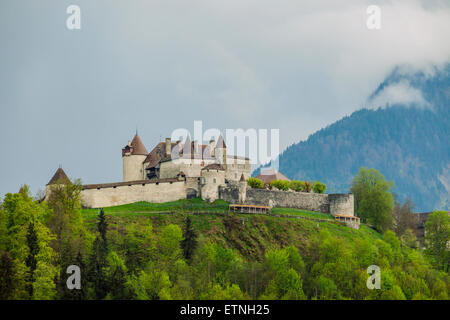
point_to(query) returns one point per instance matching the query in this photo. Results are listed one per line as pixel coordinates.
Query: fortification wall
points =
(124, 194)
(288, 199)
(342, 204)
(328, 203)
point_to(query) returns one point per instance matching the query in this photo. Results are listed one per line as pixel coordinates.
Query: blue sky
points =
(75, 97)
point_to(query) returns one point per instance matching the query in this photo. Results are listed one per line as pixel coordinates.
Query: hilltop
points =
(251, 235)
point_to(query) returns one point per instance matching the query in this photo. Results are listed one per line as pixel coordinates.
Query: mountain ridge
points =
(405, 137)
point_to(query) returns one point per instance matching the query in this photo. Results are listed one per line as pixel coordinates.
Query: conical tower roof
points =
(187, 148)
(59, 177)
(221, 143)
(138, 146)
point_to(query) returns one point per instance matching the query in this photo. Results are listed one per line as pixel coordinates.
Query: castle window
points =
(214, 180)
(157, 183)
(143, 184)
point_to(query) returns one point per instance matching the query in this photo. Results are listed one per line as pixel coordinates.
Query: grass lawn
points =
(302, 213)
(146, 208)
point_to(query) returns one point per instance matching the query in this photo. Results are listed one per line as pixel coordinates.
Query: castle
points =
(175, 170)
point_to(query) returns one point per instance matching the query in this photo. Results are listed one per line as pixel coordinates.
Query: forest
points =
(130, 254)
(408, 143)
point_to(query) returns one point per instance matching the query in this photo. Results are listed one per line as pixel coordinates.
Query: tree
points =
(280, 184)
(373, 200)
(116, 275)
(189, 243)
(7, 270)
(404, 217)
(409, 239)
(437, 237)
(66, 222)
(296, 185)
(307, 186)
(255, 183)
(139, 245)
(99, 259)
(319, 187)
(33, 247)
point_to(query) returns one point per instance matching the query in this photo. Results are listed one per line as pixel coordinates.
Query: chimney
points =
(168, 146)
(211, 147)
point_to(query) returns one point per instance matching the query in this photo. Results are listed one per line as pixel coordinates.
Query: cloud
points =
(399, 93)
(159, 65)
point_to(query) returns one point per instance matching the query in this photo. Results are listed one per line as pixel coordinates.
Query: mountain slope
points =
(407, 140)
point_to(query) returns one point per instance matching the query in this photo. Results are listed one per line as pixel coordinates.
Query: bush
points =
(319, 187)
(255, 183)
(296, 185)
(280, 184)
(307, 186)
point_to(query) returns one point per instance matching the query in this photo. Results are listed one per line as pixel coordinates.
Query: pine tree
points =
(6, 275)
(190, 240)
(31, 262)
(98, 260)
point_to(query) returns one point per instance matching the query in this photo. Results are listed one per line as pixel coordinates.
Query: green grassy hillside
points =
(250, 234)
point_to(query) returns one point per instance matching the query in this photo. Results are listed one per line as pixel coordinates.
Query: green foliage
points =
(189, 243)
(307, 186)
(98, 261)
(296, 185)
(373, 200)
(319, 187)
(139, 256)
(7, 270)
(437, 237)
(280, 184)
(255, 183)
(404, 217)
(152, 285)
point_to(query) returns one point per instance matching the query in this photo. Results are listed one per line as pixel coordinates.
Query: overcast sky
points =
(75, 97)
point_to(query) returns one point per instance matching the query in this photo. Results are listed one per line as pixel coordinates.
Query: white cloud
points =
(399, 93)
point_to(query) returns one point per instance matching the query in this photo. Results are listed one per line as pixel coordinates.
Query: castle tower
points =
(59, 178)
(133, 156)
(220, 152)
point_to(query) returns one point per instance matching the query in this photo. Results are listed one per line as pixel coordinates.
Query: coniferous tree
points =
(189, 242)
(6, 275)
(31, 261)
(98, 259)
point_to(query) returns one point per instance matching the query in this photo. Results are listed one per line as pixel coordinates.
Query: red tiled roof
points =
(59, 177)
(137, 146)
(269, 175)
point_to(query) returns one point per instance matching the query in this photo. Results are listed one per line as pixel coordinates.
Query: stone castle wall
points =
(341, 204)
(165, 190)
(328, 203)
(113, 195)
